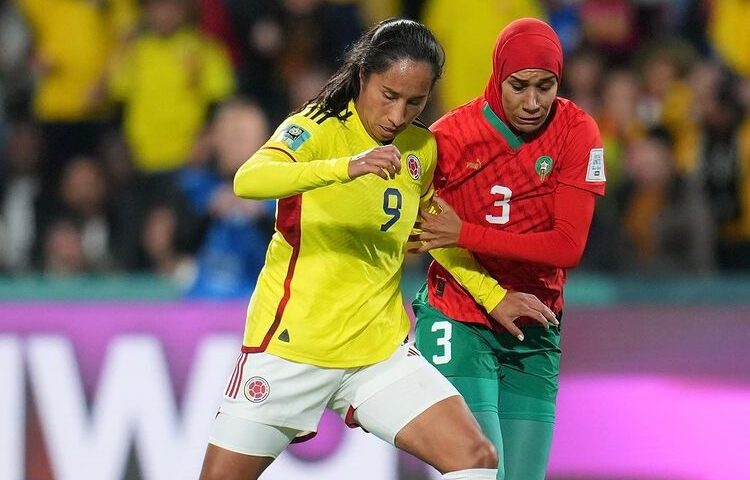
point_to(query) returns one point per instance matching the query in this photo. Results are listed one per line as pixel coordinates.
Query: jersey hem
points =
(266, 420)
(318, 362)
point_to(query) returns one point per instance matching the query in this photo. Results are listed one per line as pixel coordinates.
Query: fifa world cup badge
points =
(544, 166)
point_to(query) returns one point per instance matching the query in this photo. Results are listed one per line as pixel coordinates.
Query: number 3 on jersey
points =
(391, 206)
(503, 203)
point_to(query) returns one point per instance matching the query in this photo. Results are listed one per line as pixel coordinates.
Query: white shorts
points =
(382, 398)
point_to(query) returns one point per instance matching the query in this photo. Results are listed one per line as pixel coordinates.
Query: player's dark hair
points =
(378, 48)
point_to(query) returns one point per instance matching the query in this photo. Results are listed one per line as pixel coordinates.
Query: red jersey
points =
(496, 179)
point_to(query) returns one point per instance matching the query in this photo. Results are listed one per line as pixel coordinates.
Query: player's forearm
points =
(265, 176)
(462, 266)
(560, 247)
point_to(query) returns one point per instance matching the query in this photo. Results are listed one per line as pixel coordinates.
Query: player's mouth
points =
(530, 120)
(390, 132)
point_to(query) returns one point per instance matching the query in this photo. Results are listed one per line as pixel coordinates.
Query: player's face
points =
(389, 101)
(527, 98)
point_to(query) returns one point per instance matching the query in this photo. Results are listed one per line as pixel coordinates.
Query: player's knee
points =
(485, 454)
(479, 453)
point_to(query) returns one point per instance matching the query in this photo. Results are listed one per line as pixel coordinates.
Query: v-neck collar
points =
(513, 140)
(359, 126)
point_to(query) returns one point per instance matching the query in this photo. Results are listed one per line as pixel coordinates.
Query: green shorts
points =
(494, 372)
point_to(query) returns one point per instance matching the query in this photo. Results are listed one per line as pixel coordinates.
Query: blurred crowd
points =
(123, 121)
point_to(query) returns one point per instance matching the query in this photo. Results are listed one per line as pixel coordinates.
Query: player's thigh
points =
(384, 397)
(242, 449)
(529, 375)
(464, 354)
(271, 390)
(407, 402)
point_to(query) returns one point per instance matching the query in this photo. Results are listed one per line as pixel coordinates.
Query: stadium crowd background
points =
(123, 121)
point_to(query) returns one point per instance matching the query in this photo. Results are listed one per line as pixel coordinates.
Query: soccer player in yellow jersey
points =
(326, 324)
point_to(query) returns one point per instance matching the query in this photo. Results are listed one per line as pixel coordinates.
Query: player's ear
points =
(361, 74)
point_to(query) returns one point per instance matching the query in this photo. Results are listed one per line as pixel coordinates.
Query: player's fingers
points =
(441, 203)
(427, 236)
(548, 314)
(390, 149)
(538, 317)
(377, 170)
(383, 164)
(424, 215)
(513, 329)
(396, 161)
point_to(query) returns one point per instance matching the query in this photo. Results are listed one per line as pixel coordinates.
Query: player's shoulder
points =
(451, 121)
(571, 114)
(416, 136)
(309, 122)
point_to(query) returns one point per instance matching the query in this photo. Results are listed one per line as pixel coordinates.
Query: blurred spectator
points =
(233, 251)
(723, 160)
(729, 33)
(160, 243)
(19, 191)
(620, 128)
(565, 18)
(14, 78)
(63, 249)
(468, 32)
(667, 81)
(618, 120)
(257, 28)
(583, 78)
(168, 81)
(72, 44)
(610, 26)
(83, 202)
(665, 218)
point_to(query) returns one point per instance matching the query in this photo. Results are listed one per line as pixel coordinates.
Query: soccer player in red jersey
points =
(518, 172)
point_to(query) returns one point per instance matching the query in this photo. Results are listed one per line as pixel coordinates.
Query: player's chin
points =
(528, 127)
(387, 135)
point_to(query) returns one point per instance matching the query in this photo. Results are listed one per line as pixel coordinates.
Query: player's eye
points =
(517, 88)
(389, 96)
(415, 101)
(545, 88)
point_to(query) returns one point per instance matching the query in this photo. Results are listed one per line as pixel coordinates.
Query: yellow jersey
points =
(167, 85)
(329, 292)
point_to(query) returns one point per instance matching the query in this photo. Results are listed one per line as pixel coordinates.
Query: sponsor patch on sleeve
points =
(595, 170)
(294, 136)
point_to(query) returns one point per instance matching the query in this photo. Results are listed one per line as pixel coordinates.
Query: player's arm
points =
(271, 173)
(561, 246)
(503, 306)
(293, 161)
(462, 265)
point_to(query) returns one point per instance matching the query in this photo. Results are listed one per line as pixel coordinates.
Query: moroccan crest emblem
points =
(543, 166)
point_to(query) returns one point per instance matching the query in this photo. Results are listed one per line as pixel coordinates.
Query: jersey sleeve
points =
(447, 150)
(292, 161)
(582, 163)
(462, 266)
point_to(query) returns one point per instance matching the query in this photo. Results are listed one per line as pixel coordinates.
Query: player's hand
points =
(440, 225)
(383, 161)
(519, 304)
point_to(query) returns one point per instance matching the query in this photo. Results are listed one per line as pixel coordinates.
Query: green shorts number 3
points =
(494, 372)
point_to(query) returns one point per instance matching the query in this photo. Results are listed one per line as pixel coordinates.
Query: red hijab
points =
(524, 43)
